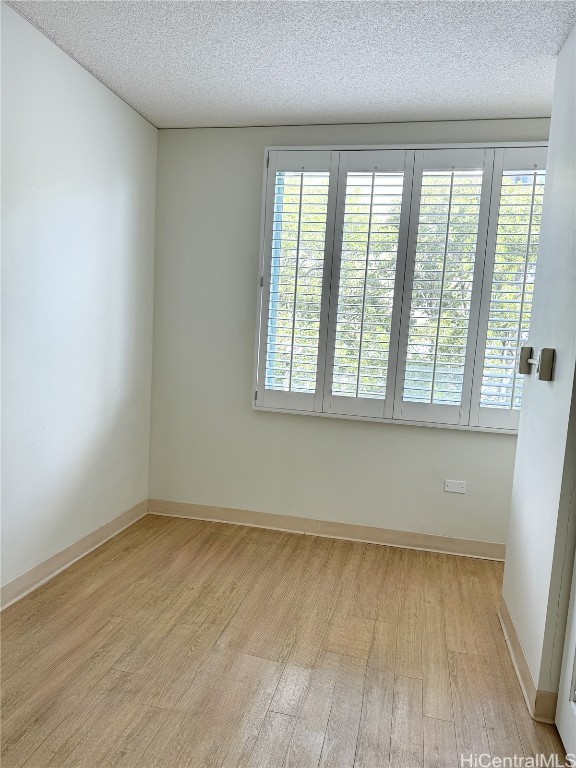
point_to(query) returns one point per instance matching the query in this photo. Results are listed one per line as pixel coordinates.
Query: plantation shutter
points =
(367, 272)
(446, 248)
(396, 284)
(518, 190)
(297, 247)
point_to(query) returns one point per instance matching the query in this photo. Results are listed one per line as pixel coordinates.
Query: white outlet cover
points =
(455, 486)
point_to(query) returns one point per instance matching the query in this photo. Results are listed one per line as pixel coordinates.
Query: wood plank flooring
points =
(188, 643)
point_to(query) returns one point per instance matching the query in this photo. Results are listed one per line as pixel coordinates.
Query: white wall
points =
(78, 197)
(208, 445)
(541, 536)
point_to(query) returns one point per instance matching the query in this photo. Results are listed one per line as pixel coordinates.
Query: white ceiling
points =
(187, 64)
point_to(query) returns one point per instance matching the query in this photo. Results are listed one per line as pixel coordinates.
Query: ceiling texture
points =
(236, 63)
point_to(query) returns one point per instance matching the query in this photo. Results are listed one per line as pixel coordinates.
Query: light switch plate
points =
(455, 486)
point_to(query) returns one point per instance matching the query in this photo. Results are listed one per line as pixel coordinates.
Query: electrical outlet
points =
(455, 486)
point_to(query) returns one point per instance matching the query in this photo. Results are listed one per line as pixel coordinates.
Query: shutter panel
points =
(371, 226)
(293, 303)
(510, 270)
(446, 255)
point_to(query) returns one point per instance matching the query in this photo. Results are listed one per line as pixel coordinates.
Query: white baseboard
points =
(541, 704)
(41, 573)
(452, 546)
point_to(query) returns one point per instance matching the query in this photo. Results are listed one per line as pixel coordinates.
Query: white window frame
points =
(337, 160)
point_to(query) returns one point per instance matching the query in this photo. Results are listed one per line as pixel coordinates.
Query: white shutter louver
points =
(517, 236)
(514, 233)
(297, 264)
(442, 286)
(367, 280)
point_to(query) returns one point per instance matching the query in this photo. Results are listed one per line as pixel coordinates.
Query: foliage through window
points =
(397, 284)
(512, 286)
(366, 289)
(442, 286)
(298, 234)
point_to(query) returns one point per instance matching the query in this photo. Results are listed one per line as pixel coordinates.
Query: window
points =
(397, 284)
(296, 266)
(370, 234)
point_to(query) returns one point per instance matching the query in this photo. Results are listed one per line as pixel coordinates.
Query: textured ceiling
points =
(187, 64)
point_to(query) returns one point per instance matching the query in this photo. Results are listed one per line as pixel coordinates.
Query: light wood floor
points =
(187, 643)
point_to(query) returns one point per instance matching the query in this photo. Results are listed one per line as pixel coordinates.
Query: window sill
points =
(467, 428)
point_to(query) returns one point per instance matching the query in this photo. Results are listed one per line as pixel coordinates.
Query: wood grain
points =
(407, 739)
(440, 744)
(190, 643)
(375, 725)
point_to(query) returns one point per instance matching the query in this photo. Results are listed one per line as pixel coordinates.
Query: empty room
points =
(288, 384)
